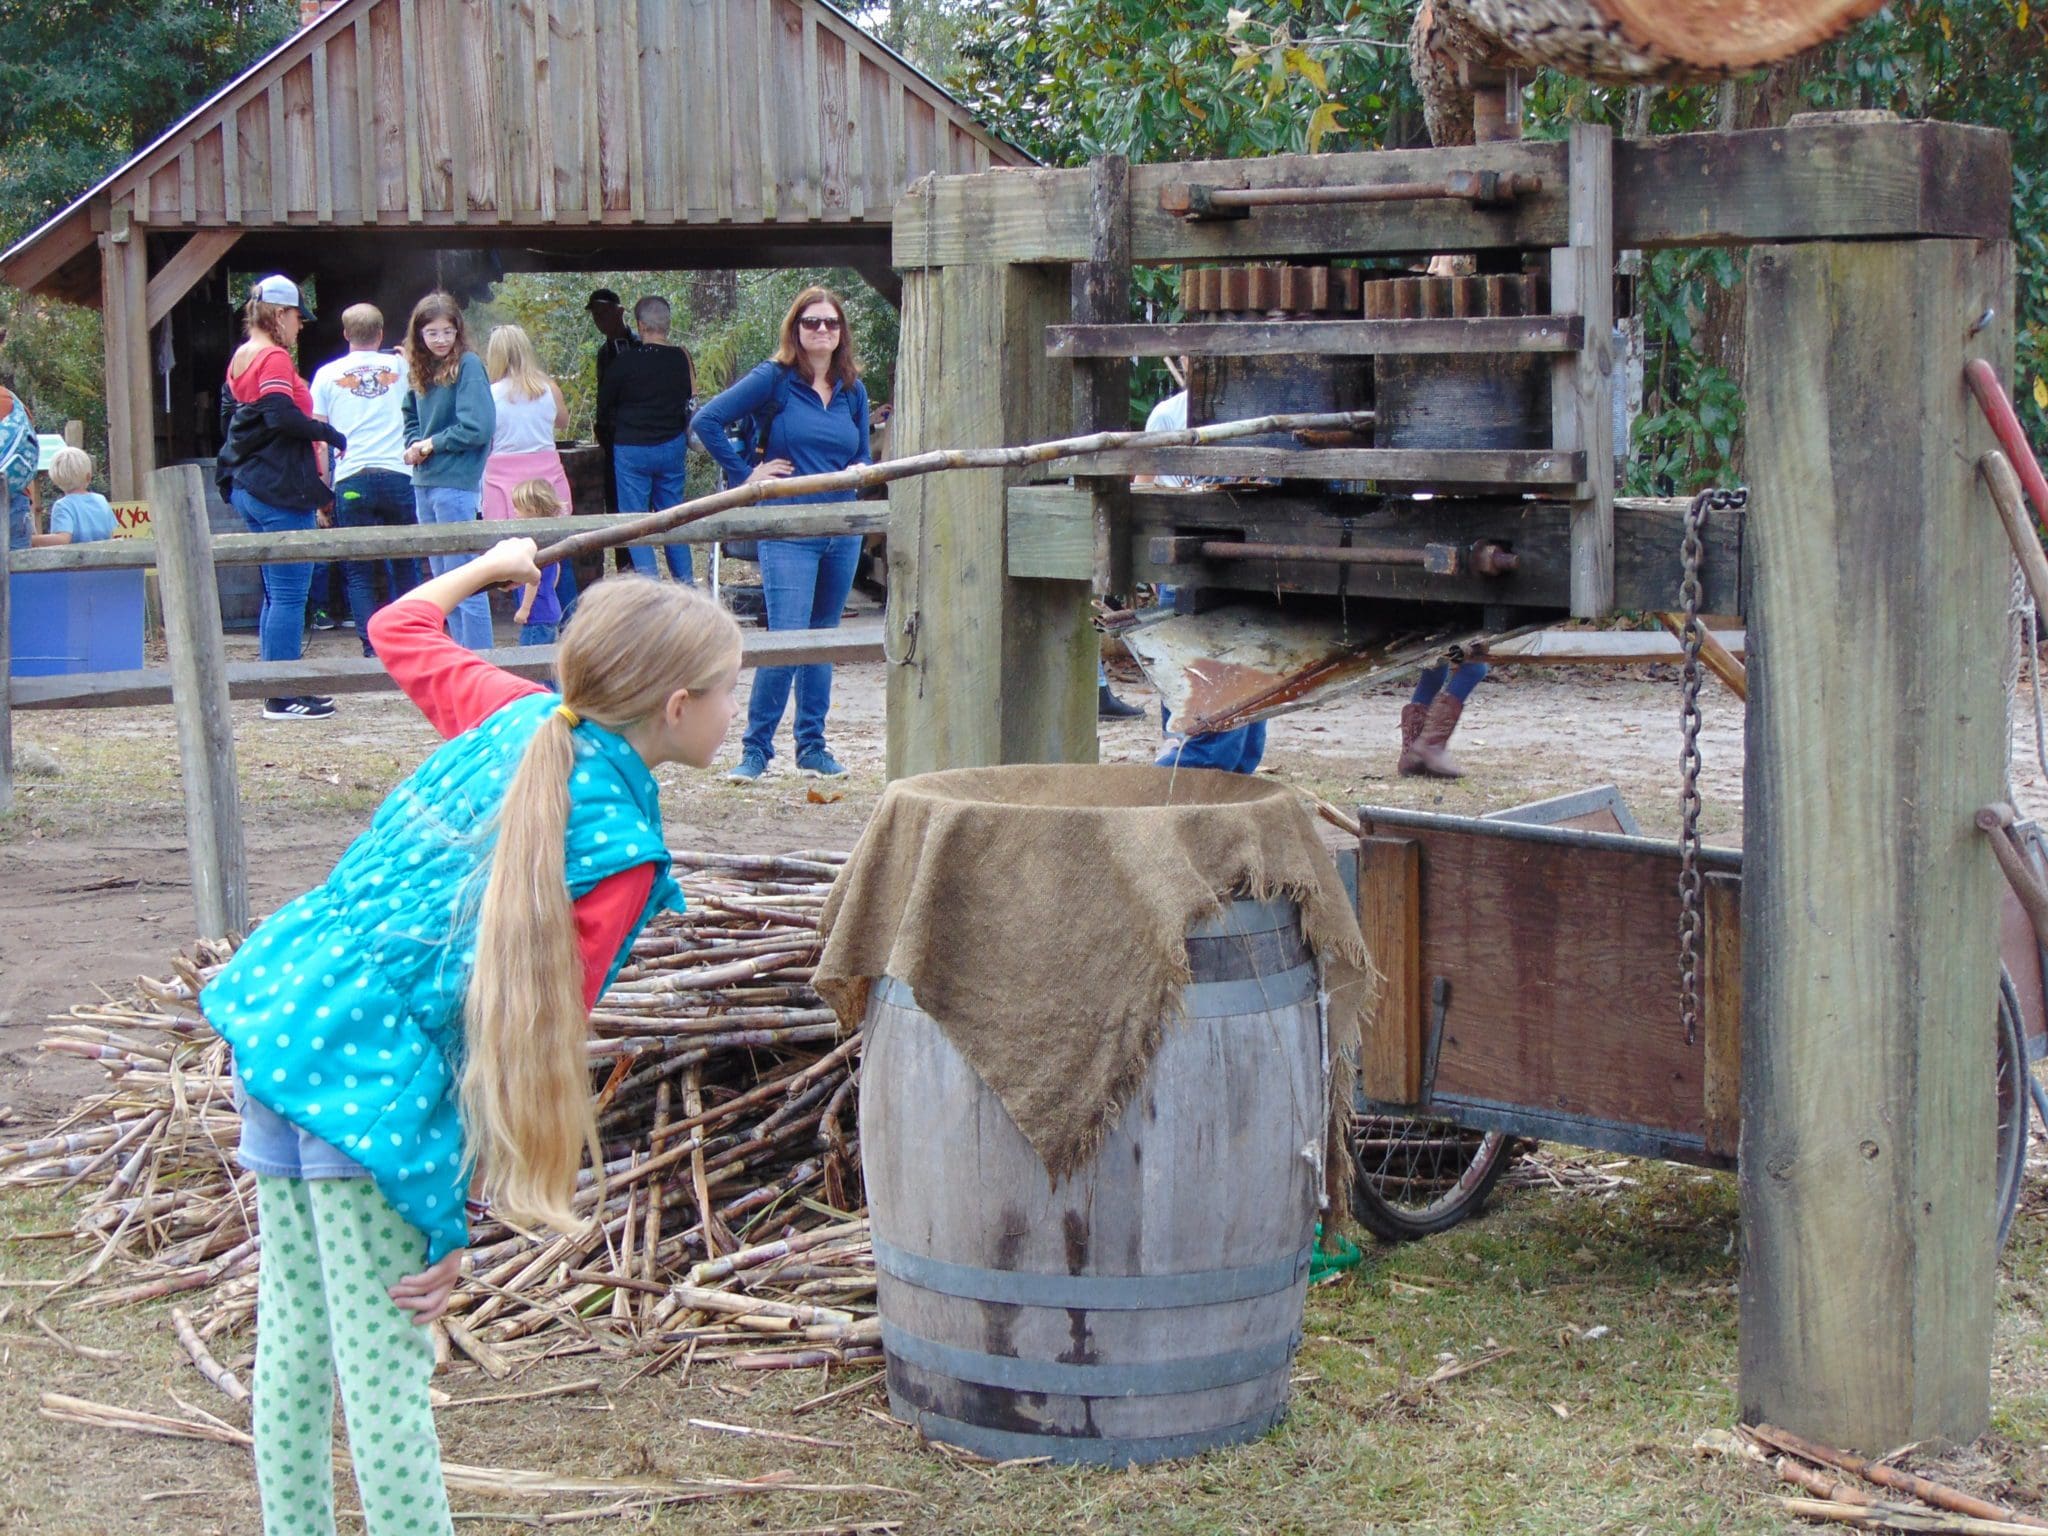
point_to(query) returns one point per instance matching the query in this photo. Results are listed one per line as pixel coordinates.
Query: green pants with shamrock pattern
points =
(332, 1248)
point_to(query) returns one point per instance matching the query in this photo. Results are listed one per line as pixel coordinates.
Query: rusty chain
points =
(1691, 553)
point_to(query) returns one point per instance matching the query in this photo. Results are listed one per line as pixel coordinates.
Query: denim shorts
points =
(273, 1146)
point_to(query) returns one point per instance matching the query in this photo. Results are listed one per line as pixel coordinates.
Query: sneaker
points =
(307, 708)
(1109, 707)
(819, 764)
(348, 621)
(748, 769)
(322, 619)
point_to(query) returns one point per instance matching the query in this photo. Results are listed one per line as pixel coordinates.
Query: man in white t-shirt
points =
(361, 393)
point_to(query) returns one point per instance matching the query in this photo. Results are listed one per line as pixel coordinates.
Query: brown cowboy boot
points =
(1437, 725)
(1411, 727)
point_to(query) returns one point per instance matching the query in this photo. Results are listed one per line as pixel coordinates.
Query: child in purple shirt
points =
(540, 611)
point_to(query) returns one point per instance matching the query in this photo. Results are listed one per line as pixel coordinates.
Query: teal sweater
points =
(460, 418)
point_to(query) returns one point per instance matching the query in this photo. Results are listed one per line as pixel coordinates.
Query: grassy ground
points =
(1619, 1311)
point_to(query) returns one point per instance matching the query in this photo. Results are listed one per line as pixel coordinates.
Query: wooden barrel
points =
(1150, 1304)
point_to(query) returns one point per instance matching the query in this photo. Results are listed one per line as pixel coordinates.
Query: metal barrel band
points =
(1094, 1293)
(1158, 1378)
(1016, 1445)
(1247, 917)
(1198, 1000)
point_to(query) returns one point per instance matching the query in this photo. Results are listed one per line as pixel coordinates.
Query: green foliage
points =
(85, 83)
(1068, 79)
(1201, 79)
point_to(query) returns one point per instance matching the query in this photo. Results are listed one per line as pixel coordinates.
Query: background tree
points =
(83, 85)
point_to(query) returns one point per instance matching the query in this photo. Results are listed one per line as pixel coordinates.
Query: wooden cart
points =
(1531, 991)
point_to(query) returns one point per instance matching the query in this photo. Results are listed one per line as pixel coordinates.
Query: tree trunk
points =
(1632, 42)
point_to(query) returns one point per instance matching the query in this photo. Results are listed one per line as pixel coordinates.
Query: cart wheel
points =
(2013, 1092)
(1415, 1177)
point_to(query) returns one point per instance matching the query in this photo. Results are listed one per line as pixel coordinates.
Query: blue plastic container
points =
(75, 621)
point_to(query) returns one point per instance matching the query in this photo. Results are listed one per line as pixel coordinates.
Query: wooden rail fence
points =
(200, 681)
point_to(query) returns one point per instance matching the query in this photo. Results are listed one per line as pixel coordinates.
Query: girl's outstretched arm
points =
(448, 683)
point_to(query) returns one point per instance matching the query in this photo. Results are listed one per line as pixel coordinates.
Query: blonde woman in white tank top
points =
(531, 412)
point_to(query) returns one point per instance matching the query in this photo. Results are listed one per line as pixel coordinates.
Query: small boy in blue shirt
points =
(540, 610)
(79, 516)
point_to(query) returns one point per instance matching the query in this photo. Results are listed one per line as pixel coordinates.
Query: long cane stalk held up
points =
(861, 476)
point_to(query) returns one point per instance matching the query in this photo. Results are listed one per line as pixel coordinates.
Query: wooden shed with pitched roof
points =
(392, 145)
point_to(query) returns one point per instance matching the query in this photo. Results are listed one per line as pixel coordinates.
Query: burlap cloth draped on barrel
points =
(1040, 916)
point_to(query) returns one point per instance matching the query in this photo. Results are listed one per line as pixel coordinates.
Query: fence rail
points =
(799, 520)
(200, 681)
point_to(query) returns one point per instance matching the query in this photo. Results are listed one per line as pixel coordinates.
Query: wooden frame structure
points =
(396, 145)
(1873, 584)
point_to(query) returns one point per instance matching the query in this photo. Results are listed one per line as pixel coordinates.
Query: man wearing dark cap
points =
(609, 316)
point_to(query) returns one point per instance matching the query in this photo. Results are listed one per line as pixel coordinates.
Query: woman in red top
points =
(271, 468)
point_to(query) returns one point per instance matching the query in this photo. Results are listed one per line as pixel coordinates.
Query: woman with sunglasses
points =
(807, 414)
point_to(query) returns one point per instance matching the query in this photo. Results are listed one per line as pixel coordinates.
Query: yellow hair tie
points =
(569, 715)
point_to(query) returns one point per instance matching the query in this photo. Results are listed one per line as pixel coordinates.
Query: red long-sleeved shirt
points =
(455, 689)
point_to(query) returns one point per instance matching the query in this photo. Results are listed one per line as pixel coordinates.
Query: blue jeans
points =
(20, 524)
(470, 623)
(376, 498)
(1238, 751)
(281, 625)
(805, 582)
(538, 634)
(1461, 682)
(650, 478)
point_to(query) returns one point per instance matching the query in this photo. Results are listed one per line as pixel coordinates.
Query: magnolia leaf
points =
(2020, 16)
(2041, 392)
(1324, 121)
(1309, 67)
(1247, 61)
(1193, 111)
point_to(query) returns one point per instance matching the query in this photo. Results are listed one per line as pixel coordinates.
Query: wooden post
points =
(985, 668)
(1869, 909)
(124, 307)
(1100, 293)
(6, 681)
(199, 698)
(1581, 389)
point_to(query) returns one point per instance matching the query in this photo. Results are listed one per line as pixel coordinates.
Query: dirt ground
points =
(1565, 1436)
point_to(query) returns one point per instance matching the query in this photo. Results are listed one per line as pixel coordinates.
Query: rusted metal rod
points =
(1995, 821)
(1482, 559)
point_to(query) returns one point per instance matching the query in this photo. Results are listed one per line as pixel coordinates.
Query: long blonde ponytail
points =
(526, 1104)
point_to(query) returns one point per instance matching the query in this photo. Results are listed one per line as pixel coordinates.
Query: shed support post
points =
(6, 685)
(199, 699)
(985, 668)
(1877, 622)
(124, 307)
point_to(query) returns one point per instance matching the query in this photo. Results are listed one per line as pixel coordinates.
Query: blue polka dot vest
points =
(345, 1007)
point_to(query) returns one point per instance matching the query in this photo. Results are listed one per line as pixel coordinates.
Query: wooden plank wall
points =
(538, 111)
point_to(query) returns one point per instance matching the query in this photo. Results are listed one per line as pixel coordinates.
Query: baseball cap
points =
(602, 297)
(278, 289)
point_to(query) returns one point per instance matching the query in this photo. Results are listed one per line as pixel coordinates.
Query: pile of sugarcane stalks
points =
(728, 1223)
(1880, 1497)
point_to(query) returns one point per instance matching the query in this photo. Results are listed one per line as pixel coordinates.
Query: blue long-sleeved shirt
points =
(815, 437)
(460, 418)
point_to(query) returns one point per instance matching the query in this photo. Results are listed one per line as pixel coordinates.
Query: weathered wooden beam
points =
(6, 686)
(1312, 338)
(1647, 535)
(801, 520)
(1870, 913)
(199, 688)
(194, 259)
(1427, 466)
(1099, 296)
(365, 674)
(1390, 915)
(1808, 181)
(1050, 532)
(985, 669)
(1582, 383)
(1721, 1011)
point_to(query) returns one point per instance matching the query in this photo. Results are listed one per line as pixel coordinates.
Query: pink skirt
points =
(504, 471)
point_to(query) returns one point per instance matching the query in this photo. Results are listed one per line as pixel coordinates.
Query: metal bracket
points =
(1198, 202)
(1433, 1047)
